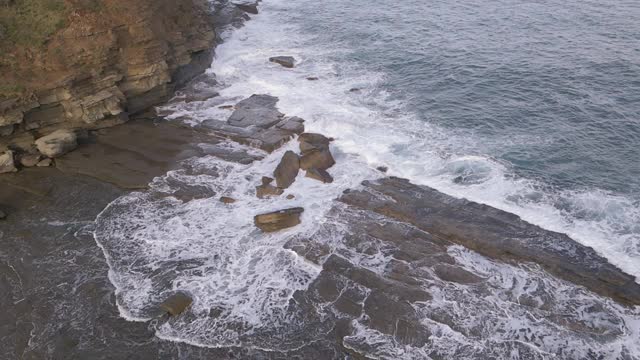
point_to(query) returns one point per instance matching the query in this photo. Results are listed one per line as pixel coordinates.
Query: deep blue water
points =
(552, 88)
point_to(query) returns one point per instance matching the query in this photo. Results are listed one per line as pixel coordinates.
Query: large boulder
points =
(287, 170)
(315, 151)
(286, 61)
(57, 143)
(176, 304)
(278, 220)
(319, 159)
(7, 163)
(310, 141)
(257, 110)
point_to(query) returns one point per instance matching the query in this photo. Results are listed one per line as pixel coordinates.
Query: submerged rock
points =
(7, 163)
(287, 170)
(320, 175)
(278, 220)
(286, 61)
(176, 304)
(382, 169)
(57, 143)
(313, 78)
(3, 215)
(227, 200)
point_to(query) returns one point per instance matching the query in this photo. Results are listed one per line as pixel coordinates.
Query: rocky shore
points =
(411, 264)
(102, 64)
(416, 226)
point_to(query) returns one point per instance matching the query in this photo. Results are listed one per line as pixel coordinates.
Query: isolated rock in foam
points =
(286, 61)
(278, 220)
(7, 163)
(287, 170)
(57, 143)
(320, 175)
(227, 200)
(176, 304)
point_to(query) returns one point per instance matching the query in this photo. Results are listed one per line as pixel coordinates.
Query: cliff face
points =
(91, 63)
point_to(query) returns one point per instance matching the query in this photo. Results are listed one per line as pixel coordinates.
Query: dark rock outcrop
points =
(257, 122)
(493, 233)
(257, 110)
(278, 220)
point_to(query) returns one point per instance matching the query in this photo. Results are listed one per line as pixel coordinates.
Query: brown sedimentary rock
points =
(106, 63)
(278, 220)
(287, 170)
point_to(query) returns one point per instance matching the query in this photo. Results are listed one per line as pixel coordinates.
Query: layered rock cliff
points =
(88, 64)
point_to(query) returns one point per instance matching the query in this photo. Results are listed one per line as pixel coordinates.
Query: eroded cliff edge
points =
(89, 64)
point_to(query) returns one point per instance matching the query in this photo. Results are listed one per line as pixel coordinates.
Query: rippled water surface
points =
(533, 105)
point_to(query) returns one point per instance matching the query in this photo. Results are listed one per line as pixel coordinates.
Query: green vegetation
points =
(30, 22)
(9, 91)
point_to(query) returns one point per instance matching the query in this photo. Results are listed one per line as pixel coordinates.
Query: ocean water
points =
(531, 107)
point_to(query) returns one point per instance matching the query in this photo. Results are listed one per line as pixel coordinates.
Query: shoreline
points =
(110, 165)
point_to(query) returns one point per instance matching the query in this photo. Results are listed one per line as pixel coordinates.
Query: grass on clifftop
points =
(30, 23)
